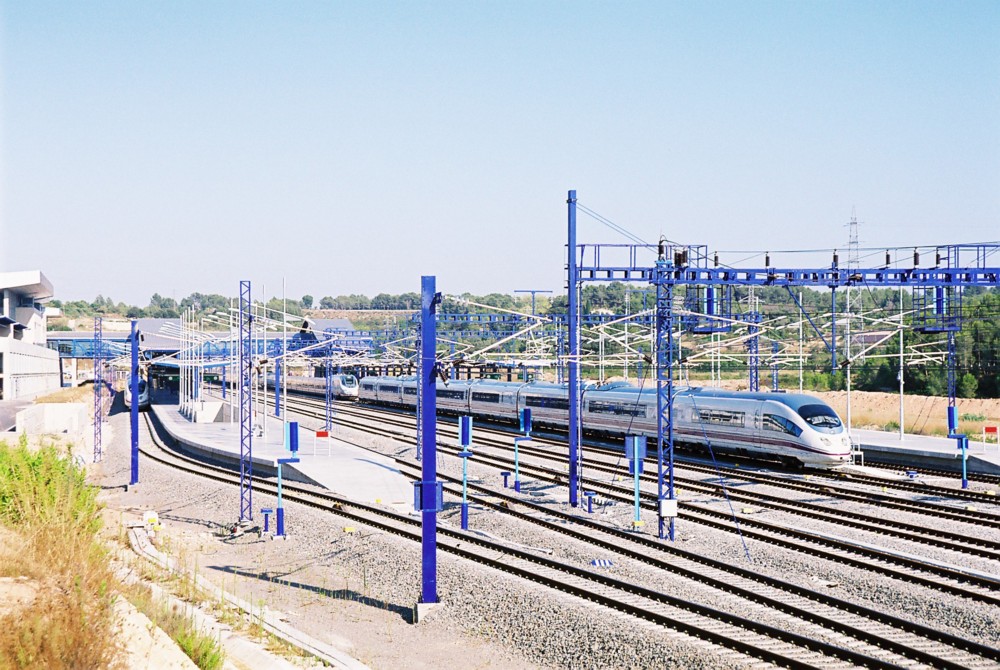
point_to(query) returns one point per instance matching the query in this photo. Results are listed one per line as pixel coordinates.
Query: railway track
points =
(956, 542)
(823, 484)
(873, 644)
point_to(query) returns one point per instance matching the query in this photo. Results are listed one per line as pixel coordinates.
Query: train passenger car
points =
(494, 400)
(549, 403)
(790, 427)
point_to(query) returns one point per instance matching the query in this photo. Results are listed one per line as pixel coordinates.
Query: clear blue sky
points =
(353, 146)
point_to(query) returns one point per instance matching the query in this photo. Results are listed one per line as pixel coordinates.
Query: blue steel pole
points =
(428, 421)
(574, 353)
(277, 388)
(134, 409)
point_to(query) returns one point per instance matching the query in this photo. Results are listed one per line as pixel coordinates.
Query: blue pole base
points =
(279, 525)
(505, 476)
(517, 485)
(465, 516)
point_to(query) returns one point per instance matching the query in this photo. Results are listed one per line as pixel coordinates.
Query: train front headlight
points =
(825, 441)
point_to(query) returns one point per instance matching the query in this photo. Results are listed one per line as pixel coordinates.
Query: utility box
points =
(668, 508)
(428, 496)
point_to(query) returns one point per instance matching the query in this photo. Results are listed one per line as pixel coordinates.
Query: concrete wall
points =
(28, 370)
(48, 418)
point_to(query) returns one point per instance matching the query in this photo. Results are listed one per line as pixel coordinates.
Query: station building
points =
(27, 366)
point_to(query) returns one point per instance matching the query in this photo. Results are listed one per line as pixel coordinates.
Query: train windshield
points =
(348, 381)
(819, 416)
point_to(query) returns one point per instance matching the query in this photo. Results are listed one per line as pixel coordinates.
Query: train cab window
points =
(451, 394)
(388, 388)
(781, 424)
(348, 381)
(479, 396)
(545, 402)
(819, 416)
(720, 417)
(616, 408)
(409, 390)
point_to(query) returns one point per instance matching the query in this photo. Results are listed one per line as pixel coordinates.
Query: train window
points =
(723, 417)
(409, 390)
(388, 388)
(781, 424)
(479, 396)
(368, 387)
(616, 408)
(819, 416)
(451, 394)
(547, 403)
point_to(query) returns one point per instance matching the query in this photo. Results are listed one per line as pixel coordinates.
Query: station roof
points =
(31, 283)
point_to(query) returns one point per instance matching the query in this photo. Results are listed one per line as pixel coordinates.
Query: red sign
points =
(992, 429)
(322, 433)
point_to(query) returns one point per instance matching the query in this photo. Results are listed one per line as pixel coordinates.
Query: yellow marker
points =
(737, 465)
(378, 501)
(991, 493)
(747, 510)
(885, 490)
(970, 508)
(638, 524)
(350, 529)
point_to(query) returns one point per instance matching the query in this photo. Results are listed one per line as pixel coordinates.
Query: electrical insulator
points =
(937, 258)
(887, 261)
(916, 258)
(716, 259)
(836, 259)
(662, 250)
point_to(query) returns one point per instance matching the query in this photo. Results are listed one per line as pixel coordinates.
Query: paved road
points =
(8, 412)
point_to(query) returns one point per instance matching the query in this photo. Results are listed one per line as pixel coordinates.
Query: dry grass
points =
(71, 622)
(75, 394)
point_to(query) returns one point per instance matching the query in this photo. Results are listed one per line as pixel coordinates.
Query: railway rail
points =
(885, 642)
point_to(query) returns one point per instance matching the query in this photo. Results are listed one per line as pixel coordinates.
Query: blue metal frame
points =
(664, 390)
(98, 347)
(572, 286)
(246, 412)
(937, 289)
(134, 409)
(428, 489)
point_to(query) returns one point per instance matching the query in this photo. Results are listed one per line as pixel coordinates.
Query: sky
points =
(351, 147)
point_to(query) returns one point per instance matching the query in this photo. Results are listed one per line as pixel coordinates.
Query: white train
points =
(345, 387)
(789, 427)
(143, 394)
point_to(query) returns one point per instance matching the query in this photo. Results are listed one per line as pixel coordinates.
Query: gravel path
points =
(355, 590)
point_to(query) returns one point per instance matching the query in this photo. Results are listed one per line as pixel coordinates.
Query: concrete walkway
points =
(343, 468)
(922, 450)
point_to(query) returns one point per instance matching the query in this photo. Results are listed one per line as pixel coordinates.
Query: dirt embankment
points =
(923, 415)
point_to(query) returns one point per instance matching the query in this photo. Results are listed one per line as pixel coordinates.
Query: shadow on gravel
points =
(406, 613)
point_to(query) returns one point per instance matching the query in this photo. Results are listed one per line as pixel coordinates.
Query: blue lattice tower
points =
(328, 375)
(98, 352)
(753, 350)
(774, 365)
(938, 309)
(662, 278)
(246, 411)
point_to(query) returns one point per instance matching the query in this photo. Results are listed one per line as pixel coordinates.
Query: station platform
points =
(934, 452)
(340, 467)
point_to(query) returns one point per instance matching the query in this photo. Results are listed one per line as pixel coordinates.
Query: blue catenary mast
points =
(246, 414)
(574, 354)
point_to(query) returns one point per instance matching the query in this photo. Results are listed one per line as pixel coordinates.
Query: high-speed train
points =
(789, 427)
(345, 387)
(143, 394)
